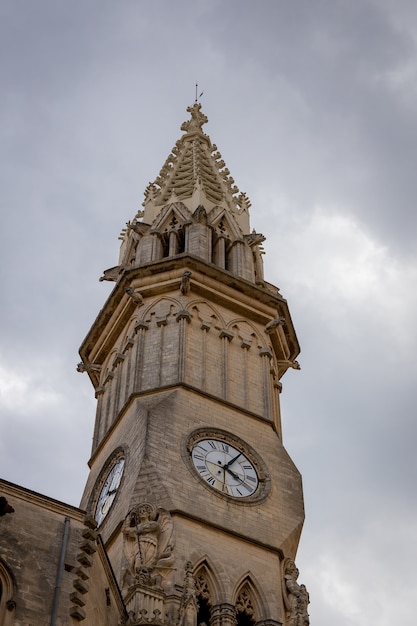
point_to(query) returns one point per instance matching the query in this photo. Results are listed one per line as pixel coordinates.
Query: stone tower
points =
(198, 504)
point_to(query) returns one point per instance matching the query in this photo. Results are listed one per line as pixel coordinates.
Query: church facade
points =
(193, 510)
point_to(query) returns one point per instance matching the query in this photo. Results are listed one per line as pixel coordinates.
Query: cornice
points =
(38, 499)
(254, 301)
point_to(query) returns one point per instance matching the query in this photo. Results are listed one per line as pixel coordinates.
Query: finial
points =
(197, 119)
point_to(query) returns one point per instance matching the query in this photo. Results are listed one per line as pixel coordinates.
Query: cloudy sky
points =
(313, 105)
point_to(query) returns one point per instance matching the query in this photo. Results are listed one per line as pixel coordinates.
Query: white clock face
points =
(109, 490)
(225, 468)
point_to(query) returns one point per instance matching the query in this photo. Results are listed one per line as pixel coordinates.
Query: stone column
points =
(226, 336)
(128, 386)
(223, 615)
(98, 430)
(245, 345)
(220, 252)
(172, 243)
(183, 318)
(140, 328)
(205, 327)
(266, 356)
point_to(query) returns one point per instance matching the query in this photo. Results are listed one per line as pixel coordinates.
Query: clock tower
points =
(196, 500)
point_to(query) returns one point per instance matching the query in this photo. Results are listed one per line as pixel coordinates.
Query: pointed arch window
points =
(7, 603)
(204, 597)
(245, 605)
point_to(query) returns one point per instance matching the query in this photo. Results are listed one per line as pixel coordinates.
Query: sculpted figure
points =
(135, 295)
(148, 543)
(296, 596)
(185, 286)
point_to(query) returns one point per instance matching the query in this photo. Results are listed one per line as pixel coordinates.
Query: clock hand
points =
(105, 501)
(232, 461)
(235, 476)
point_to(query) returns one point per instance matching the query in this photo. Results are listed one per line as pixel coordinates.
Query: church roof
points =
(195, 174)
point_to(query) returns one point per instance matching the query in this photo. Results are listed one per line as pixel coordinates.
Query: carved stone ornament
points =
(148, 544)
(188, 607)
(244, 601)
(111, 274)
(195, 124)
(278, 321)
(135, 295)
(185, 286)
(296, 597)
(89, 367)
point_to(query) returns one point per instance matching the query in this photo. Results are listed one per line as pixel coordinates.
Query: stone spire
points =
(196, 175)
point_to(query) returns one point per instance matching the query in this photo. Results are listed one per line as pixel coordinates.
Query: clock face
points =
(109, 490)
(224, 467)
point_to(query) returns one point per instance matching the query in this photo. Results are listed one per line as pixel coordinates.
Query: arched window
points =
(7, 603)
(247, 604)
(204, 596)
(245, 610)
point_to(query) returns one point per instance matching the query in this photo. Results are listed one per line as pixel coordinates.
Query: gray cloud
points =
(312, 105)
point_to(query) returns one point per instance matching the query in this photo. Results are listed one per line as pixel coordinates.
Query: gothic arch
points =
(219, 216)
(129, 332)
(107, 365)
(169, 226)
(177, 210)
(248, 601)
(191, 306)
(128, 254)
(244, 322)
(7, 589)
(163, 304)
(207, 582)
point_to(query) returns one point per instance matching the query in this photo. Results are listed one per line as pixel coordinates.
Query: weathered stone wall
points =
(172, 339)
(31, 539)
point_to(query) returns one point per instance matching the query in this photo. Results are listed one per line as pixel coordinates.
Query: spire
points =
(196, 175)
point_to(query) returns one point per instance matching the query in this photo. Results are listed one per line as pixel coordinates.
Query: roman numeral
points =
(247, 487)
(201, 468)
(213, 445)
(211, 480)
(198, 456)
(225, 447)
(251, 478)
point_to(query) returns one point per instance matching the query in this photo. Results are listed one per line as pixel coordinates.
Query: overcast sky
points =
(313, 105)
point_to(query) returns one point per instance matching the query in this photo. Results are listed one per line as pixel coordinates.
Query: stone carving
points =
(244, 602)
(278, 321)
(111, 274)
(294, 364)
(195, 124)
(202, 586)
(135, 295)
(254, 239)
(185, 286)
(243, 202)
(90, 367)
(200, 215)
(188, 607)
(130, 225)
(148, 544)
(296, 598)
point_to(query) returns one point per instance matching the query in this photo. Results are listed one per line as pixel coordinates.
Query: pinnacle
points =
(194, 173)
